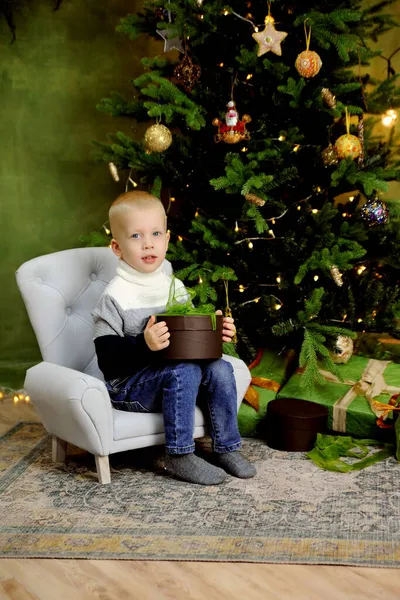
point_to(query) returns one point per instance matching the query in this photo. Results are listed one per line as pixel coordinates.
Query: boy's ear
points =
(168, 235)
(115, 248)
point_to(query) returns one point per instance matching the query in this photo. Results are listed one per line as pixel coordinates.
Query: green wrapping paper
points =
(274, 367)
(351, 402)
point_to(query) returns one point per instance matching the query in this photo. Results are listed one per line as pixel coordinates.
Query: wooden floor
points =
(34, 579)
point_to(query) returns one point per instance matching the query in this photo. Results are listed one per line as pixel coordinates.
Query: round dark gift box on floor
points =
(292, 424)
(193, 337)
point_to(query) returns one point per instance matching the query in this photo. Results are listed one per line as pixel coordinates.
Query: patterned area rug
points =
(292, 512)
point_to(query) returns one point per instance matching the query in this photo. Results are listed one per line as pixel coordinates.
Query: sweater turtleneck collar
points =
(132, 275)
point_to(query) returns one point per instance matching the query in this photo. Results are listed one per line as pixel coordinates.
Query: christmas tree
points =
(262, 143)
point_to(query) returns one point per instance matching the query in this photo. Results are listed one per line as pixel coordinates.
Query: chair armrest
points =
(242, 376)
(72, 406)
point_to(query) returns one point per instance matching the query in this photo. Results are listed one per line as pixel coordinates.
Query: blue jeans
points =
(174, 389)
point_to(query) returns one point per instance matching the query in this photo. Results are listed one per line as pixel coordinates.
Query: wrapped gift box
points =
(354, 403)
(269, 370)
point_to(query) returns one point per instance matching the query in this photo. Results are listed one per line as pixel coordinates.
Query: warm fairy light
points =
(168, 231)
(16, 399)
(200, 280)
(316, 277)
(106, 230)
(344, 214)
(1, 395)
(250, 245)
(256, 29)
(314, 211)
(273, 221)
(271, 233)
(241, 288)
(298, 207)
(244, 149)
(27, 398)
(281, 138)
(226, 12)
(221, 64)
(361, 269)
(187, 185)
(344, 317)
(278, 306)
(249, 16)
(278, 279)
(21, 396)
(297, 146)
(389, 118)
(236, 226)
(257, 299)
(196, 214)
(199, 2)
(172, 199)
(359, 320)
(374, 314)
(319, 189)
(351, 198)
(180, 238)
(249, 76)
(201, 17)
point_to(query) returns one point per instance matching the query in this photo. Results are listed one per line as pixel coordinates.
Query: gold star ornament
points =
(270, 39)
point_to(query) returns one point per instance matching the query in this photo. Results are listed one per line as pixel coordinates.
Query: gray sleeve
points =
(107, 318)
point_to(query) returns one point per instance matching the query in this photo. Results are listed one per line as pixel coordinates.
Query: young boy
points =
(128, 341)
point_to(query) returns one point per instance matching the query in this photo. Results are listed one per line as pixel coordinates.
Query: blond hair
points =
(129, 201)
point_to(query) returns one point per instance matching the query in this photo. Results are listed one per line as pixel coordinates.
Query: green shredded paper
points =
(329, 449)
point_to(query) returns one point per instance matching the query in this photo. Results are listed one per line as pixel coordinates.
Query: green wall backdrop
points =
(51, 189)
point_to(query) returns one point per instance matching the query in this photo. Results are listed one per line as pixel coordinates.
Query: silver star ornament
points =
(170, 43)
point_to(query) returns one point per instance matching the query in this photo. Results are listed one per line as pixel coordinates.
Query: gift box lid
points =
(191, 322)
(297, 414)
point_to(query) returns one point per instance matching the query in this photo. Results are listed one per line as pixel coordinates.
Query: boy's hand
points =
(228, 327)
(156, 335)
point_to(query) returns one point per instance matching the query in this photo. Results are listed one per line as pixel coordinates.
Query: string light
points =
(316, 277)
(106, 230)
(200, 280)
(278, 306)
(278, 279)
(373, 314)
(244, 149)
(196, 214)
(256, 29)
(319, 189)
(344, 317)
(201, 17)
(241, 288)
(236, 226)
(226, 12)
(271, 233)
(389, 118)
(173, 198)
(221, 64)
(257, 299)
(281, 138)
(297, 146)
(314, 211)
(351, 198)
(359, 320)
(249, 76)
(361, 269)
(1, 395)
(344, 214)
(273, 221)
(180, 238)
(298, 207)
(250, 245)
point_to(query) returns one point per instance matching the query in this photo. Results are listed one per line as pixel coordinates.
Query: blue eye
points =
(157, 233)
(135, 236)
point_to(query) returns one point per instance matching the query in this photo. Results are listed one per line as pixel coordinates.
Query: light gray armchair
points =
(67, 389)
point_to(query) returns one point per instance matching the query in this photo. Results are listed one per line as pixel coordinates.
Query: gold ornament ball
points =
(308, 63)
(343, 350)
(348, 146)
(157, 138)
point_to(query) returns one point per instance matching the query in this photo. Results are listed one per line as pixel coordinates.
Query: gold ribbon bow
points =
(252, 397)
(371, 385)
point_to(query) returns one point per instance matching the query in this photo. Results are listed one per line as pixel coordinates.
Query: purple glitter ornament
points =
(375, 212)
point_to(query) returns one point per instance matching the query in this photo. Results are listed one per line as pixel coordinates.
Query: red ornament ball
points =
(348, 146)
(308, 63)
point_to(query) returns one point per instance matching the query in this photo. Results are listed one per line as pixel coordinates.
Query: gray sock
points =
(193, 469)
(235, 464)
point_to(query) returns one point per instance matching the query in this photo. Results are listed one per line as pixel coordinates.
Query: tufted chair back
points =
(60, 290)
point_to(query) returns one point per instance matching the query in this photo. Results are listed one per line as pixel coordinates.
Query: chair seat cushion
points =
(130, 425)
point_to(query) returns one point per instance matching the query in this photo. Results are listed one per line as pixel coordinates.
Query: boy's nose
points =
(148, 244)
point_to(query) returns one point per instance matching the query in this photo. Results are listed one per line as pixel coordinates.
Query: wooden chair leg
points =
(59, 448)
(103, 469)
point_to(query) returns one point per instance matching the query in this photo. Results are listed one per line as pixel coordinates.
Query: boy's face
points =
(141, 239)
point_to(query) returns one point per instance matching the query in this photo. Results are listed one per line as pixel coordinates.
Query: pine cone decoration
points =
(336, 275)
(253, 199)
(114, 171)
(328, 97)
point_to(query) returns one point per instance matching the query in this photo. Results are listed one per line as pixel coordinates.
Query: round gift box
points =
(292, 424)
(193, 337)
